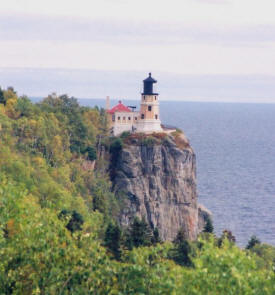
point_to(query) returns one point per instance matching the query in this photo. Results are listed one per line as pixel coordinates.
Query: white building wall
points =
(124, 121)
(148, 126)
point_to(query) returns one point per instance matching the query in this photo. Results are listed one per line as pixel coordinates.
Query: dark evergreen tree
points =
(113, 239)
(75, 220)
(91, 153)
(140, 233)
(2, 98)
(180, 237)
(75, 223)
(156, 238)
(100, 201)
(64, 214)
(181, 251)
(252, 242)
(208, 227)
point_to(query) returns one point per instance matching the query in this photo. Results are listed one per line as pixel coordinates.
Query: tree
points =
(90, 150)
(252, 242)
(24, 106)
(208, 227)
(115, 148)
(2, 98)
(227, 234)
(112, 240)
(75, 220)
(181, 251)
(156, 238)
(180, 237)
(140, 233)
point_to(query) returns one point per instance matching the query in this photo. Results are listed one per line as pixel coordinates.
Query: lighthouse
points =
(149, 120)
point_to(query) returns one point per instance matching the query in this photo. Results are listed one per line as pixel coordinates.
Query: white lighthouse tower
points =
(149, 120)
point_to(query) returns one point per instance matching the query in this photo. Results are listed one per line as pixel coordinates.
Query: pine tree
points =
(140, 233)
(156, 238)
(112, 240)
(208, 227)
(75, 219)
(252, 242)
(75, 222)
(2, 98)
(181, 251)
(180, 237)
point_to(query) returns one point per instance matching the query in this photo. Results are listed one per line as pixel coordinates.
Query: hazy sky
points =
(227, 41)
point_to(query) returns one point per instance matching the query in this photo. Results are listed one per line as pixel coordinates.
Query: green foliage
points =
(56, 212)
(252, 242)
(113, 239)
(140, 233)
(75, 220)
(226, 235)
(24, 107)
(208, 228)
(181, 251)
(156, 237)
(2, 99)
(125, 134)
(149, 141)
(226, 270)
(116, 147)
(265, 255)
(91, 151)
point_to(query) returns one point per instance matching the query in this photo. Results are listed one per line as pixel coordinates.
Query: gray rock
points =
(204, 213)
(158, 183)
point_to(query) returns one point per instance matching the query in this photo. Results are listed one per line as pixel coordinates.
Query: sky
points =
(198, 50)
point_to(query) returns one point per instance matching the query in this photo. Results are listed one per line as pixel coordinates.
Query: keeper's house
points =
(146, 120)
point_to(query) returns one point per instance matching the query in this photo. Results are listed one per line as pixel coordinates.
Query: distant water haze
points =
(234, 144)
(128, 84)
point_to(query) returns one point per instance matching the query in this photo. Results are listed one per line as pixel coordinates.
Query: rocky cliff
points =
(156, 179)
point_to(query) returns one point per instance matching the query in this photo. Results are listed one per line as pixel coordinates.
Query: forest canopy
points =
(58, 217)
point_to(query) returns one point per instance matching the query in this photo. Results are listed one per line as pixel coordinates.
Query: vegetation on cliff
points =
(58, 230)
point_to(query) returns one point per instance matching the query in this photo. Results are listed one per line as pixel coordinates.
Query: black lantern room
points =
(148, 86)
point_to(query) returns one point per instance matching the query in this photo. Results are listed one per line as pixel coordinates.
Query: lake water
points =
(235, 148)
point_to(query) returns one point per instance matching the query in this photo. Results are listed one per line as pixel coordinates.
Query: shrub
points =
(125, 134)
(208, 228)
(75, 220)
(252, 242)
(226, 235)
(91, 152)
(148, 141)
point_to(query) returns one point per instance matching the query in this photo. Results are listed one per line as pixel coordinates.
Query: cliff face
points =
(158, 182)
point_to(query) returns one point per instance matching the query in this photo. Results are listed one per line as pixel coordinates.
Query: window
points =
(118, 118)
(143, 97)
(155, 98)
(135, 118)
(113, 117)
(124, 118)
(129, 118)
(149, 108)
(142, 116)
(156, 117)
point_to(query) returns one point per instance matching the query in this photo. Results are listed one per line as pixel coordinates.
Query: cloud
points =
(64, 29)
(213, 1)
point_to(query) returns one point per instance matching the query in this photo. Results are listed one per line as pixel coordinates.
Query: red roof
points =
(120, 107)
